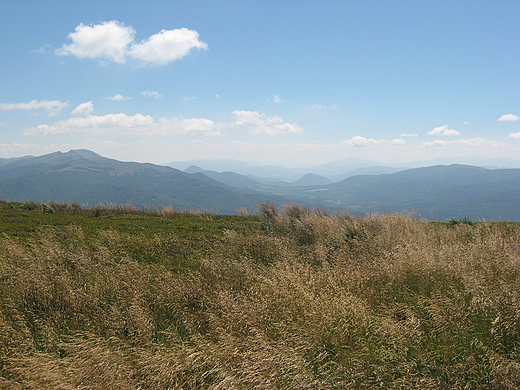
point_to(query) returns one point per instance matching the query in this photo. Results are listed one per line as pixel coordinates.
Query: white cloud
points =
(166, 46)
(118, 97)
(362, 141)
(471, 142)
(137, 124)
(41, 50)
(83, 109)
(398, 141)
(93, 122)
(189, 126)
(153, 94)
(444, 131)
(108, 40)
(189, 98)
(508, 118)
(113, 41)
(278, 99)
(408, 135)
(466, 123)
(514, 135)
(258, 123)
(53, 107)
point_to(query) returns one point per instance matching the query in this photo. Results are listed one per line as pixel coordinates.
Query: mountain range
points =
(435, 192)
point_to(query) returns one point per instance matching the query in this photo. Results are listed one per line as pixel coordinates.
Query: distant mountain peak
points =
(83, 152)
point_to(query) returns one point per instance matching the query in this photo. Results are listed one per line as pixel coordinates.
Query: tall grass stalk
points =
(310, 301)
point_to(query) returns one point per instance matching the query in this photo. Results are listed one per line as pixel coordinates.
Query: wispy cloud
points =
(470, 142)
(152, 94)
(443, 131)
(258, 123)
(137, 124)
(319, 106)
(41, 50)
(408, 135)
(362, 141)
(118, 97)
(277, 99)
(508, 118)
(514, 135)
(53, 107)
(92, 122)
(113, 41)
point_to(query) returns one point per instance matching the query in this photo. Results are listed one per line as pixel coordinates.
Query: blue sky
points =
(293, 83)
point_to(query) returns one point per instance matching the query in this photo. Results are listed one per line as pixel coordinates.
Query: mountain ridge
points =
(437, 192)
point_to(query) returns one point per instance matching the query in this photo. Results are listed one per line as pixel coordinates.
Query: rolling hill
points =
(436, 192)
(87, 178)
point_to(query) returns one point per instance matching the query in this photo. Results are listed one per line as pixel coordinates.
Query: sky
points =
(290, 83)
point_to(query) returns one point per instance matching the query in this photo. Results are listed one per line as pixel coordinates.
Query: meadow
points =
(112, 297)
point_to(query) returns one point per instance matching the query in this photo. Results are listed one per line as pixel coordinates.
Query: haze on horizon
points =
(291, 83)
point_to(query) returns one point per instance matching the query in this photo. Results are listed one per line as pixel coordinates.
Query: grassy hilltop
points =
(120, 298)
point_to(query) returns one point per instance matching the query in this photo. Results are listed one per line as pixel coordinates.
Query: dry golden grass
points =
(311, 301)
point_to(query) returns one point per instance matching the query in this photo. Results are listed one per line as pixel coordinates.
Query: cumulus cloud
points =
(166, 46)
(258, 123)
(362, 141)
(108, 40)
(514, 135)
(53, 107)
(113, 41)
(444, 131)
(152, 94)
(118, 97)
(508, 118)
(83, 109)
(408, 135)
(398, 141)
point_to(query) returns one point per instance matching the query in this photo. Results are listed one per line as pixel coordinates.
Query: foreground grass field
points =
(126, 299)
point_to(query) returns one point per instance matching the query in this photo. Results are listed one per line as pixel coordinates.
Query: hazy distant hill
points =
(437, 192)
(85, 177)
(311, 179)
(231, 179)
